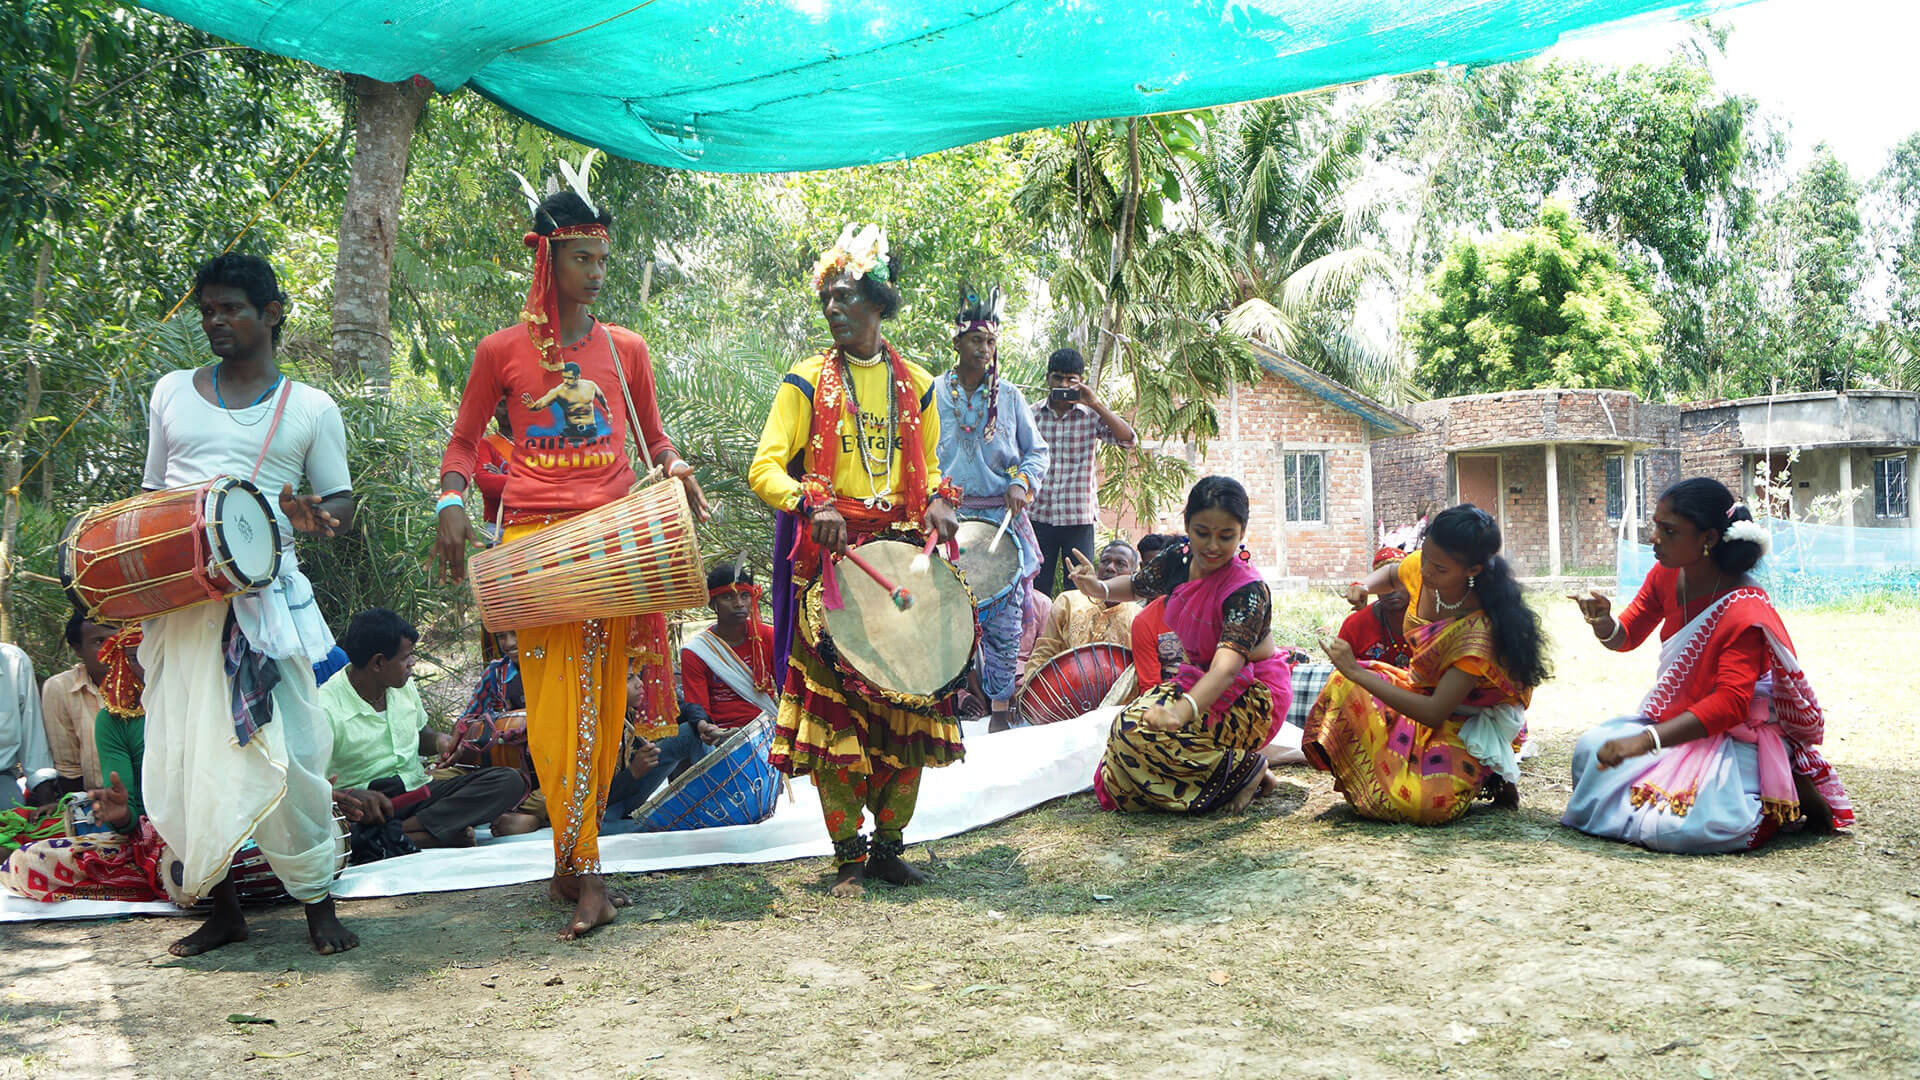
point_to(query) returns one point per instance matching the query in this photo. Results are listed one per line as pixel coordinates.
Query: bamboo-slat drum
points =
(634, 556)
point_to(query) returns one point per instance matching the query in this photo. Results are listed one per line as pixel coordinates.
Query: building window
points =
(1890, 487)
(1616, 487)
(1644, 505)
(1305, 480)
(1617, 491)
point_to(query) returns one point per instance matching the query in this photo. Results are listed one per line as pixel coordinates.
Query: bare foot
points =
(514, 823)
(847, 884)
(566, 890)
(325, 931)
(594, 908)
(1260, 781)
(225, 926)
(894, 870)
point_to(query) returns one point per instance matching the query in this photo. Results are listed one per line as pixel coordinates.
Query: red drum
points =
(1073, 683)
(165, 550)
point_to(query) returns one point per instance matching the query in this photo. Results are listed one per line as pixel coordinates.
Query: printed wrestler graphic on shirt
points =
(578, 408)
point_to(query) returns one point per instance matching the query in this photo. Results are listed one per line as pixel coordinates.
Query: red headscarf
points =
(542, 310)
(120, 690)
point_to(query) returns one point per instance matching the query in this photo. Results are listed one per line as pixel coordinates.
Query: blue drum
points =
(992, 575)
(732, 785)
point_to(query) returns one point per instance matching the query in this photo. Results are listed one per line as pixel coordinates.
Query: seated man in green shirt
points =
(380, 732)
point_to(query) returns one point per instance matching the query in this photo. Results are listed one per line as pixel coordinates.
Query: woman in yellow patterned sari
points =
(1418, 745)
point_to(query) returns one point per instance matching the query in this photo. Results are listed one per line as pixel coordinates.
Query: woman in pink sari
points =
(1194, 743)
(1723, 751)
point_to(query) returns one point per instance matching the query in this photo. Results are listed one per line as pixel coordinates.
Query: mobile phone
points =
(1064, 393)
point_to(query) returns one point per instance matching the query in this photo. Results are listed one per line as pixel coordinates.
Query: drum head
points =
(917, 651)
(988, 574)
(244, 536)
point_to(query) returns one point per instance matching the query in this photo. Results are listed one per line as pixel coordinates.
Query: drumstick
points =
(902, 599)
(993, 545)
(922, 562)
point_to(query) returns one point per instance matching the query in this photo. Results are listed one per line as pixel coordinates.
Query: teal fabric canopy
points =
(777, 85)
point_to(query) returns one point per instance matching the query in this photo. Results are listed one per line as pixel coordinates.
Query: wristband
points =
(816, 493)
(450, 498)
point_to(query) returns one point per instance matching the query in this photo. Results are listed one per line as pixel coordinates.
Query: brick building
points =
(1565, 472)
(1865, 442)
(1303, 445)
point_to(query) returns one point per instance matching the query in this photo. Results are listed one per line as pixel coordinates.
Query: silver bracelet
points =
(1192, 704)
(1654, 730)
(1105, 596)
(1608, 640)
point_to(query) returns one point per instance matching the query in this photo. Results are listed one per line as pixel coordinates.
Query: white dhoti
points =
(205, 793)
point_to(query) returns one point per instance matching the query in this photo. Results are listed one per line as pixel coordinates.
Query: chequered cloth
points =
(1066, 498)
(1308, 681)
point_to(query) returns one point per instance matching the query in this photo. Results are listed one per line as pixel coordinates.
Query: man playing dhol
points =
(850, 449)
(988, 446)
(235, 739)
(575, 673)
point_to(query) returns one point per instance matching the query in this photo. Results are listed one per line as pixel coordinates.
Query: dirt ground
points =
(1295, 939)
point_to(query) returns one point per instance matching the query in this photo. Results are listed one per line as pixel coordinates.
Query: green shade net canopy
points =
(779, 85)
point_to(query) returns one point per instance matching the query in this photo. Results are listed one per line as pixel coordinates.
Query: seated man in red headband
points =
(727, 669)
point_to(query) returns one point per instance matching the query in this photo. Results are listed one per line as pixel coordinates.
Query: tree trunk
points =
(1122, 253)
(385, 115)
(16, 447)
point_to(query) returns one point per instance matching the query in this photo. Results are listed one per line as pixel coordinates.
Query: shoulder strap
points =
(286, 391)
(633, 414)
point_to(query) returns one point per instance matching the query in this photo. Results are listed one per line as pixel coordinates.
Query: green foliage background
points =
(1449, 232)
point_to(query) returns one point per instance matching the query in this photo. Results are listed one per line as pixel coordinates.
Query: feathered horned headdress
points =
(977, 313)
(542, 309)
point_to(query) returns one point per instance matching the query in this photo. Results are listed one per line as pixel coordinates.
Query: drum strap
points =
(633, 414)
(279, 410)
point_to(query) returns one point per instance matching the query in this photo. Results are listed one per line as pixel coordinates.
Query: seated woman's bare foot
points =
(894, 870)
(1254, 785)
(325, 931)
(593, 910)
(847, 883)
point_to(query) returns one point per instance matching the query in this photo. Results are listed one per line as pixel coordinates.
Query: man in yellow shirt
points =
(850, 450)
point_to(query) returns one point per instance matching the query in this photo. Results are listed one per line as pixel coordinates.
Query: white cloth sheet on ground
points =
(1003, 775)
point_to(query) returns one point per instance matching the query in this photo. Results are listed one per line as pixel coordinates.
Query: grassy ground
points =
(1293, 939)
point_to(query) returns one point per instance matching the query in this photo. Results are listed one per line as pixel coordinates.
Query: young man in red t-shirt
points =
(727, 669)
(562, 372)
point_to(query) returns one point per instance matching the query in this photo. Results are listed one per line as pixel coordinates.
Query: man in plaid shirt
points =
(1072, 420)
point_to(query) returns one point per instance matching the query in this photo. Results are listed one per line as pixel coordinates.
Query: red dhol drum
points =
(1073, 683)
(165, 550)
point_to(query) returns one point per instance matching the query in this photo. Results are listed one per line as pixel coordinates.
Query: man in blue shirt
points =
(991, 449)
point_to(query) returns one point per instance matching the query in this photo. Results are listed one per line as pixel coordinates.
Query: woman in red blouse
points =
(1723, 750)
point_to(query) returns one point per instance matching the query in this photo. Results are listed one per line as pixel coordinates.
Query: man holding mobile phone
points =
(1072, 421)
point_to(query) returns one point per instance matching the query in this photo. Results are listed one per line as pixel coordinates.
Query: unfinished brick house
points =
(1862, 441)
(1565, 472)
(1303, 445)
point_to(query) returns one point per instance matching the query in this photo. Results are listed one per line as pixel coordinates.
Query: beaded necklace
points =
(963, 413)
(877, 486)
